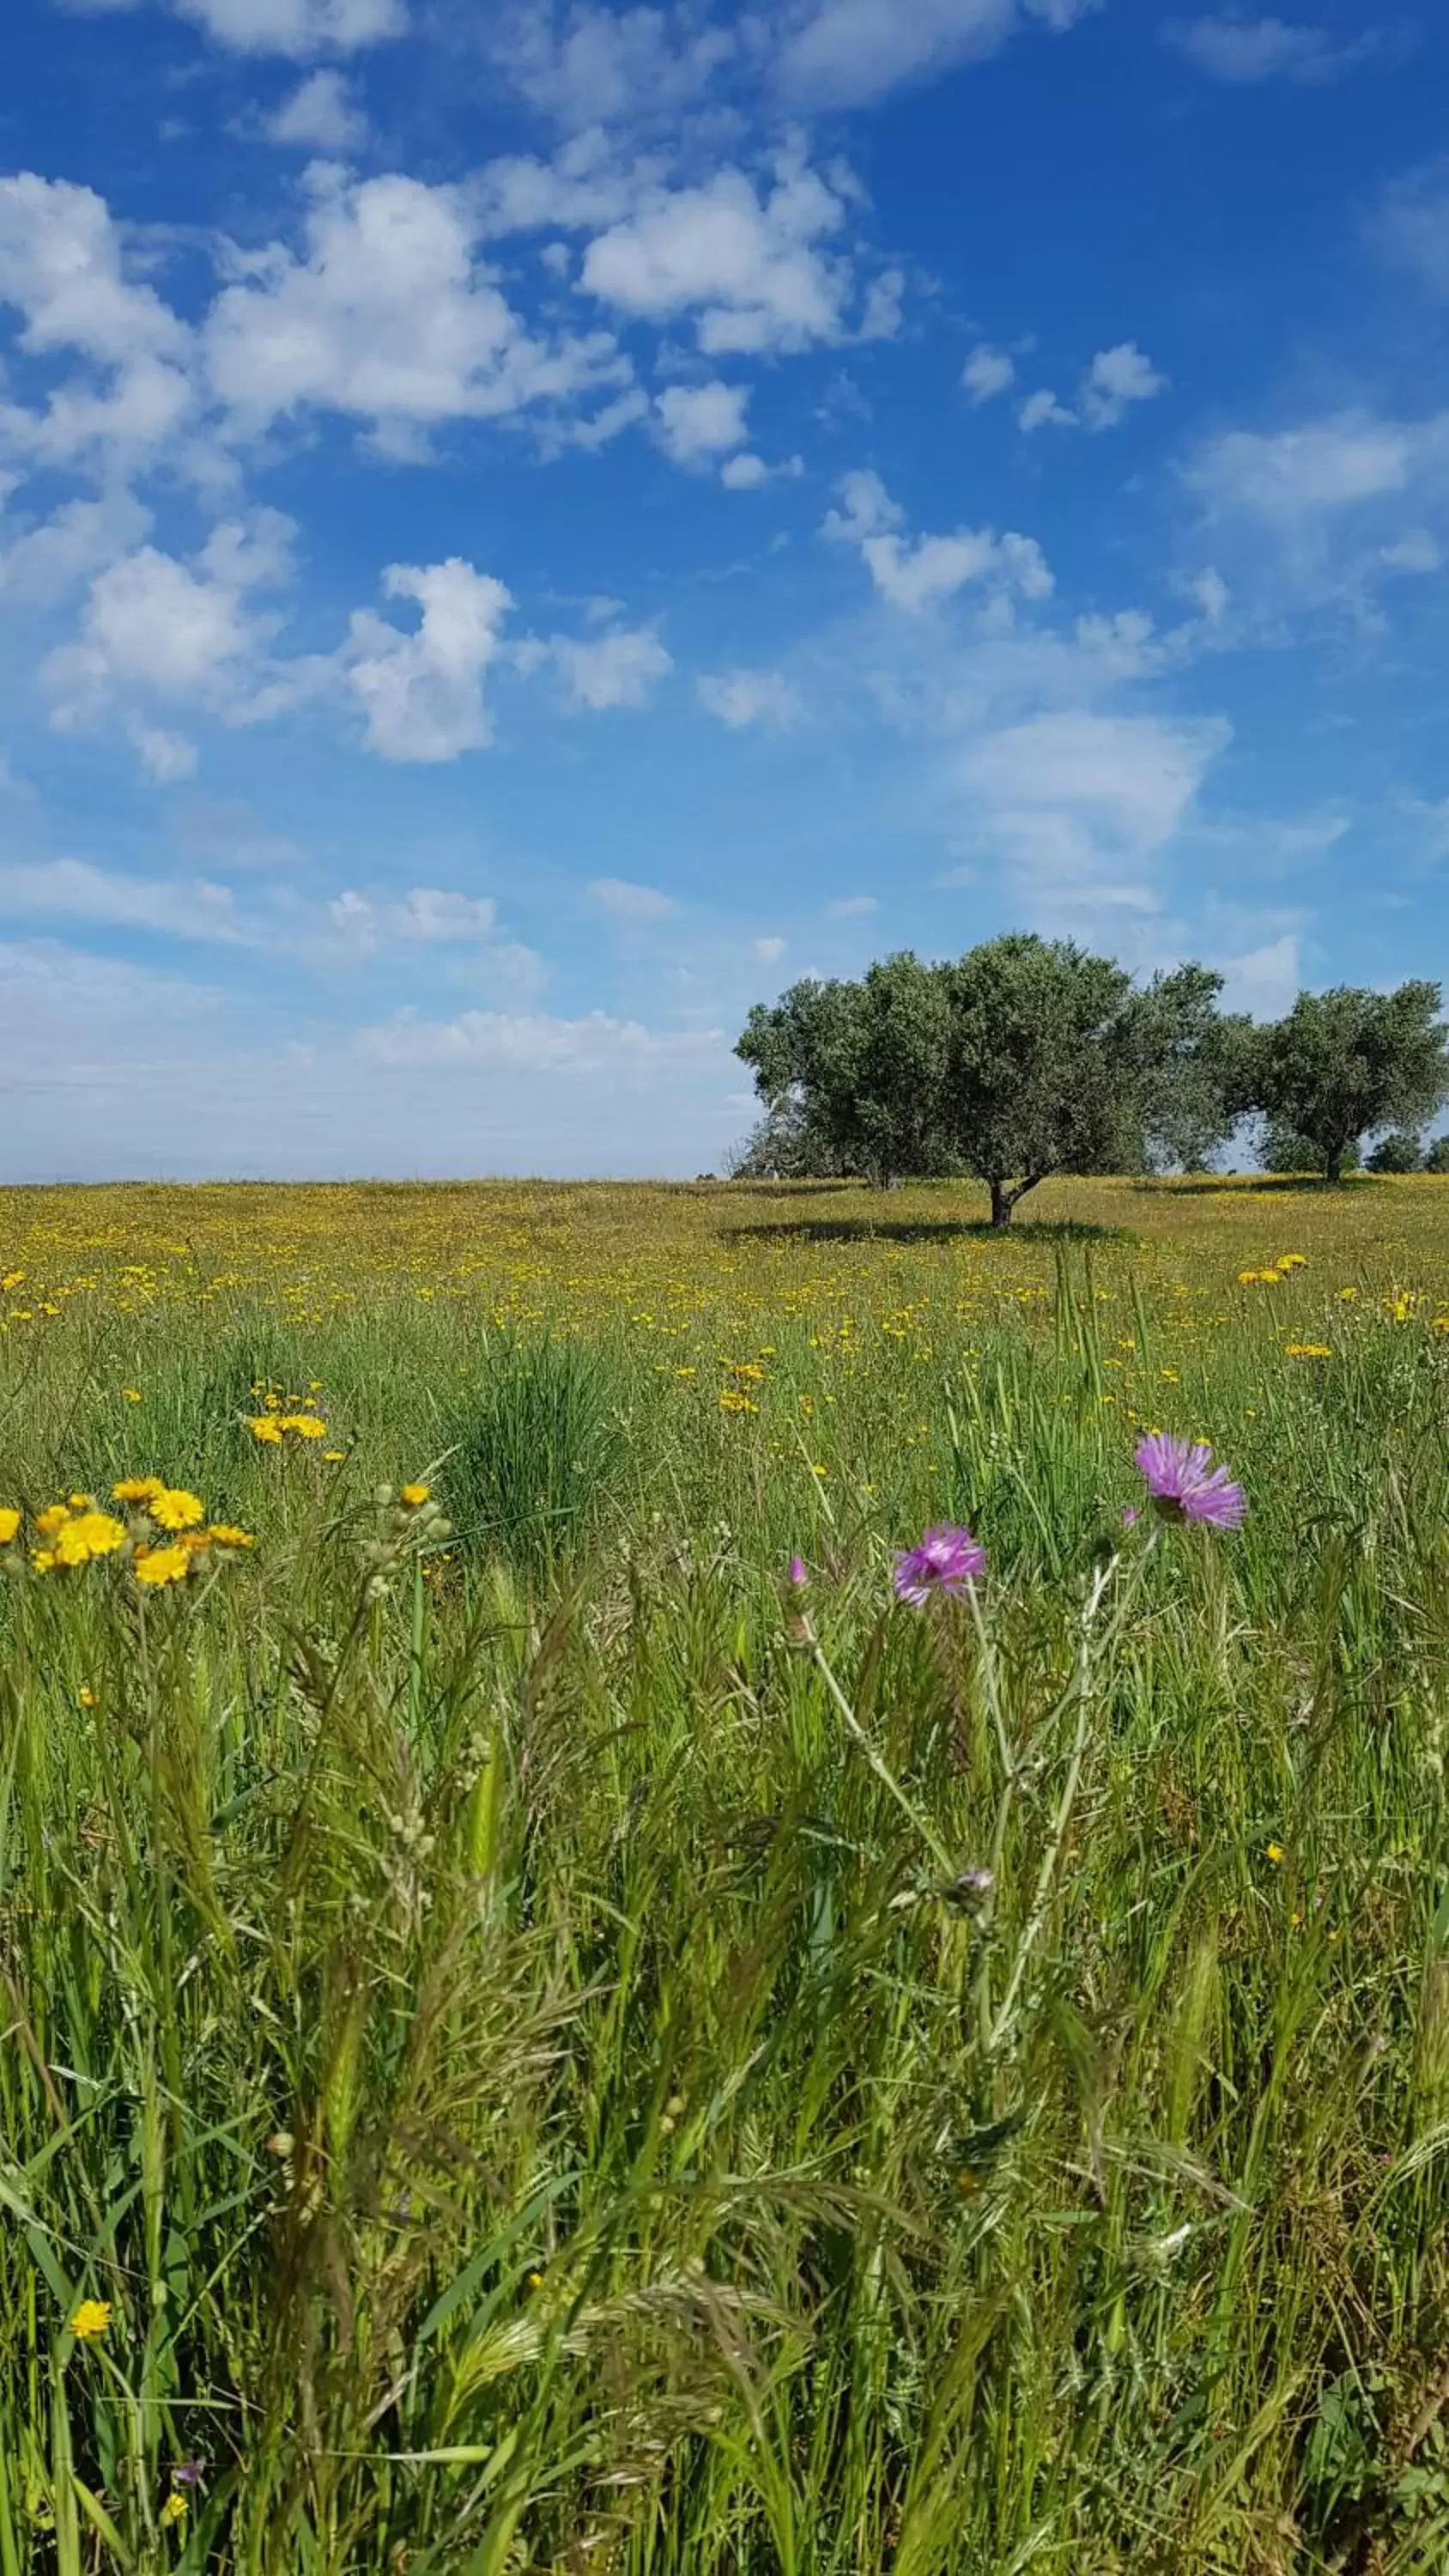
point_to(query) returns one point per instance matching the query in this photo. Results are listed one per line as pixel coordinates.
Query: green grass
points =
(496, 2012)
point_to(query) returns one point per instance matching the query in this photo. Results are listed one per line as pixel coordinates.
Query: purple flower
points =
(947, 1560)
(1186, 1486)
(799, 1574)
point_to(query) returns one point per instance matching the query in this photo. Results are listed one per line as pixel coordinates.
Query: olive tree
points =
(1345, 1062)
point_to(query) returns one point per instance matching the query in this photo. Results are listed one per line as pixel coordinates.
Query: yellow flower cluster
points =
(1308, 1351)
(274, 1427)
(76, 1532)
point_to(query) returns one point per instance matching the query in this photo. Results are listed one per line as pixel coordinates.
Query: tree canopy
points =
(1030, 1056)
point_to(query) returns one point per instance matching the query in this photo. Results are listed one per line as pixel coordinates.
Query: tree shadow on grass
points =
(1251, 1185)
(908, 1230)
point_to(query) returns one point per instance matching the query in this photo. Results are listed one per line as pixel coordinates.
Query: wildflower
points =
(90, 1534)
(188, 2473)
(80, 1502)
(305, 1425)
(1292, 1260)
(138, 1489)
(265, 1426)
(174, 2510)
(87, 1696)
(43, 1560)
(9, 1524)
(132, 1394)
(174, 1509)
(798, 1574)
(1185, 1485)
(946, 1560)
(158, 1565)
(226, 1534)
(1308, 1351)
(53, 1518)
(1130, 1517)
(334, 1457)
(1274, 1853)
(91, 2318)
(413, 1495)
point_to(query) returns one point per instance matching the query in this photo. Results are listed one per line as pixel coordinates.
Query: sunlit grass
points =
(558, 2051)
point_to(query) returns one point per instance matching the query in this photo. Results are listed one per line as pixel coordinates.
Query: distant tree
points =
(1193, 1077)
(1397, 1152)
(1437, 1157)
(785, 1146)
(854, 1073)
(1058, 1063)
(1347, 1061)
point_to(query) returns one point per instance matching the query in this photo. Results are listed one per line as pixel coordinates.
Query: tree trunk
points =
(1003, 1200)
(1334, 1173)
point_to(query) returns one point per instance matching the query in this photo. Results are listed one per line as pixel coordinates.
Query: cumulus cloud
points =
(156, 627)
(697, 424)
(987, 373)
(1042, 410)
(320, 115)
(298, 28)
(1243, 51)
(62, 267)
(421, 692)
(621, 669)
(915, 573)
(1322, 465)
(1412, 224)
(1263, 981)
(388, 313)
(1116, 379)
(533, 1043)
(625, 902)
(750, 268)
(852, 907)
(740, 698)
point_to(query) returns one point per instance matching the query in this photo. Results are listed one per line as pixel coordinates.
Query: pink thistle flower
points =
(946, 1560)
(799, 1574)
(1186, 1486)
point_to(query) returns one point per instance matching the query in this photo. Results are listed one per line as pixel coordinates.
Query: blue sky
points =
(524, 528)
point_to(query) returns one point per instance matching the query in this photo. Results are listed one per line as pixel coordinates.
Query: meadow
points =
(537, 2037)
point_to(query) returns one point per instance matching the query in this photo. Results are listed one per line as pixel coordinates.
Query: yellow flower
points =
(157, 1565)
(226, 1534)
(54, 1517)
(80, 1502)
(138, 1489)
(91, 2318)
(305, 1425)
(1308, 1351)
(9, 1524)
(172, 2511)
(174, 1509)
(43, 1560)
(1346, 1296)
(415, 1494)
(1274, 1853)
(87, 1696)
(132, 1394)
(334, 1457)
(89, 1534)
(265, 1426)
(1247, 1278)
(1292, 1260)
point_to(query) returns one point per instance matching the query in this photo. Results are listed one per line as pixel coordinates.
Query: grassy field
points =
(533, 2042)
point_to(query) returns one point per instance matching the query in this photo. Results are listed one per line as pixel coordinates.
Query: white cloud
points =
(1043, 411)
(153, 626)
(597, 66)
(698, 423)
(69, 547)
(422, 692)
(841, 53)
(617, 670)
(531, 1042)
(73, 890)
(987, 373)
(625, 902)
(1115, 380)
(1077, 805)
(1323, 465)
(1212, 595)
(1412, 226)
(750, 268)
(61, 265)
(915, 573)
(882, 317)
(1265, 981)
(769, 951)
(390, 315)
(1416, 552)
(321, 114)
(293, 27)
(1242, 51)
(166, 757)
(740, 698)
(852, 907)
